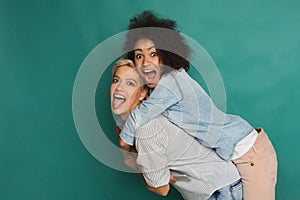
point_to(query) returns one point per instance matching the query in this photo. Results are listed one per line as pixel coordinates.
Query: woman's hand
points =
(129, 152)
(118, 130)
(172, 179)
(130, 157)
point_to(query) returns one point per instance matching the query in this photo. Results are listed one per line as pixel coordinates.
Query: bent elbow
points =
(165, 193)
(123, 145)
(162, 191)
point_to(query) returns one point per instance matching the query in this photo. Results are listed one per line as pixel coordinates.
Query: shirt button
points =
(252, 164)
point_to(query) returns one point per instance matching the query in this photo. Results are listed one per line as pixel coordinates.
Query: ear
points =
(143, 94)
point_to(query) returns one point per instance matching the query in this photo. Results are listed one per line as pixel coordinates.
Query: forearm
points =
(128, 151)
(162, 190)
(157, 103)
(152, 158)
(124, 146)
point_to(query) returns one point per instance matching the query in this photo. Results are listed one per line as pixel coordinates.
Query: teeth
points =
(119, 97)
(148, 70)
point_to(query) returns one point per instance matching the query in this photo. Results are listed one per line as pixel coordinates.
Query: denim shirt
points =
(186, 104)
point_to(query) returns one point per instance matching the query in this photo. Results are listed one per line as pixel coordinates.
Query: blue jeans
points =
(234, 191)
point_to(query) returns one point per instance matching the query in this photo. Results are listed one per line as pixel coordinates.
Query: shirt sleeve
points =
(166, 94)
(152, 158)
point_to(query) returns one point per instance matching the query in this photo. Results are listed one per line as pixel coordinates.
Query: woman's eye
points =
(115, 80)
(131, 83)
(138, 56)
(154, 54)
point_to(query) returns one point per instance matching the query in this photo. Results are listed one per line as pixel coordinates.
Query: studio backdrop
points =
(57, 136)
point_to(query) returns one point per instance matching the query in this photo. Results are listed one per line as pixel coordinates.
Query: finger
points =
(172, 179)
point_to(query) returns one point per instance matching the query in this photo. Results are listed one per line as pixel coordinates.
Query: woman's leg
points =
(258, 169)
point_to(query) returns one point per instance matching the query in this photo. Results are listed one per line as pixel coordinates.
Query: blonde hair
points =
(120, 63)
(129, 63)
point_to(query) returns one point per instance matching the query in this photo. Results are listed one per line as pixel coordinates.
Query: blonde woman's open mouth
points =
(118, 100)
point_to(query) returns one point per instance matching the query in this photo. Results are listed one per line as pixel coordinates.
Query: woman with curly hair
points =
(161, 57)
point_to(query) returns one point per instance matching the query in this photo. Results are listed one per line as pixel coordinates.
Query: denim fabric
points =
(233, 191)
(182, 100)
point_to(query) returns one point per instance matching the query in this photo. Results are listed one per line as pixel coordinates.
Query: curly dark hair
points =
(171, 47)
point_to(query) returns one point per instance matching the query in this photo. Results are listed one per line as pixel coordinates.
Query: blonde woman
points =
(164, 149)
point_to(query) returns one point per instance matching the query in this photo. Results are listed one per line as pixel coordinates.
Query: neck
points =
(124, 117)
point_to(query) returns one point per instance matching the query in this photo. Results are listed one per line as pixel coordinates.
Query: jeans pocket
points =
(236, 190)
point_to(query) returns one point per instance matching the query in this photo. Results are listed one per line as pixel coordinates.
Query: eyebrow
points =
(149, 48)
(129, 79)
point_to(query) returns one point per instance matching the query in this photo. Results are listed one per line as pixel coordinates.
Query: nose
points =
(119, 86)
(146, 60)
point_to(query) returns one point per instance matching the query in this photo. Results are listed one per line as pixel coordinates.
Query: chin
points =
(116, 112)
(152, 85)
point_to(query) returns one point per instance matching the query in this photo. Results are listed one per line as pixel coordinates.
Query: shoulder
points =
(174, 77)
(169, 77)
(152, 128)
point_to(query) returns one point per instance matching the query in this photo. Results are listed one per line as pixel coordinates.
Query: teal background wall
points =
(255, 44)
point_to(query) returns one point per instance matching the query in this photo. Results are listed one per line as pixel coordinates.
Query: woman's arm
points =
(162, 190)
(152, 159)
(131, 162)
(166, 94)
(129, 152)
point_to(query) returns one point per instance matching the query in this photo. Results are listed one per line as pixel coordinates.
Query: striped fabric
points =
(163, 147)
